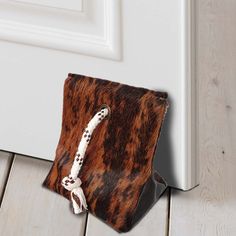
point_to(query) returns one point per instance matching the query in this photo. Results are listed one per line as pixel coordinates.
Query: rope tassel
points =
(72, 182)
(74, 187)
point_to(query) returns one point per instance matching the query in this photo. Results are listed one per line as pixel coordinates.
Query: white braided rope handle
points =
(72, 182)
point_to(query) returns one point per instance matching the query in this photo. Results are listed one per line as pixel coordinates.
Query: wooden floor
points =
(210, 209)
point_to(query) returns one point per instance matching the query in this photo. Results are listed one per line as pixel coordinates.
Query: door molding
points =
(75, 5)
(106, 43)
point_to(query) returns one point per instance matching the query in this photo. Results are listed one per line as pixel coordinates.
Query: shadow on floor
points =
(163, 160)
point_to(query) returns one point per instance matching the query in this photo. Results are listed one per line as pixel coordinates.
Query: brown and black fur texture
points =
(118, 179)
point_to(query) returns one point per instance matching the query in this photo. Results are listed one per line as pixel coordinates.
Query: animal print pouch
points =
(104, 158)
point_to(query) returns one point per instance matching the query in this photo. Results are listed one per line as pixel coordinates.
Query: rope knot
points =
(73, 185)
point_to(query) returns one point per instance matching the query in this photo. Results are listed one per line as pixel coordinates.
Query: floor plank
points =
(30, 209)
(210, 209)
(5, 165)
(153, 224)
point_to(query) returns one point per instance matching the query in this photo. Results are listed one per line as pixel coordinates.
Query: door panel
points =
(148, 44)
(75, 5)
(93, 29)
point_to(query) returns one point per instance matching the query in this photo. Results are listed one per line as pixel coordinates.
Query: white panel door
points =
(137, 42)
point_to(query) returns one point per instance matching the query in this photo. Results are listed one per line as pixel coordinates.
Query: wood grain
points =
(30, 209)
(5, 165)
(210, 209)
(153, 224)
